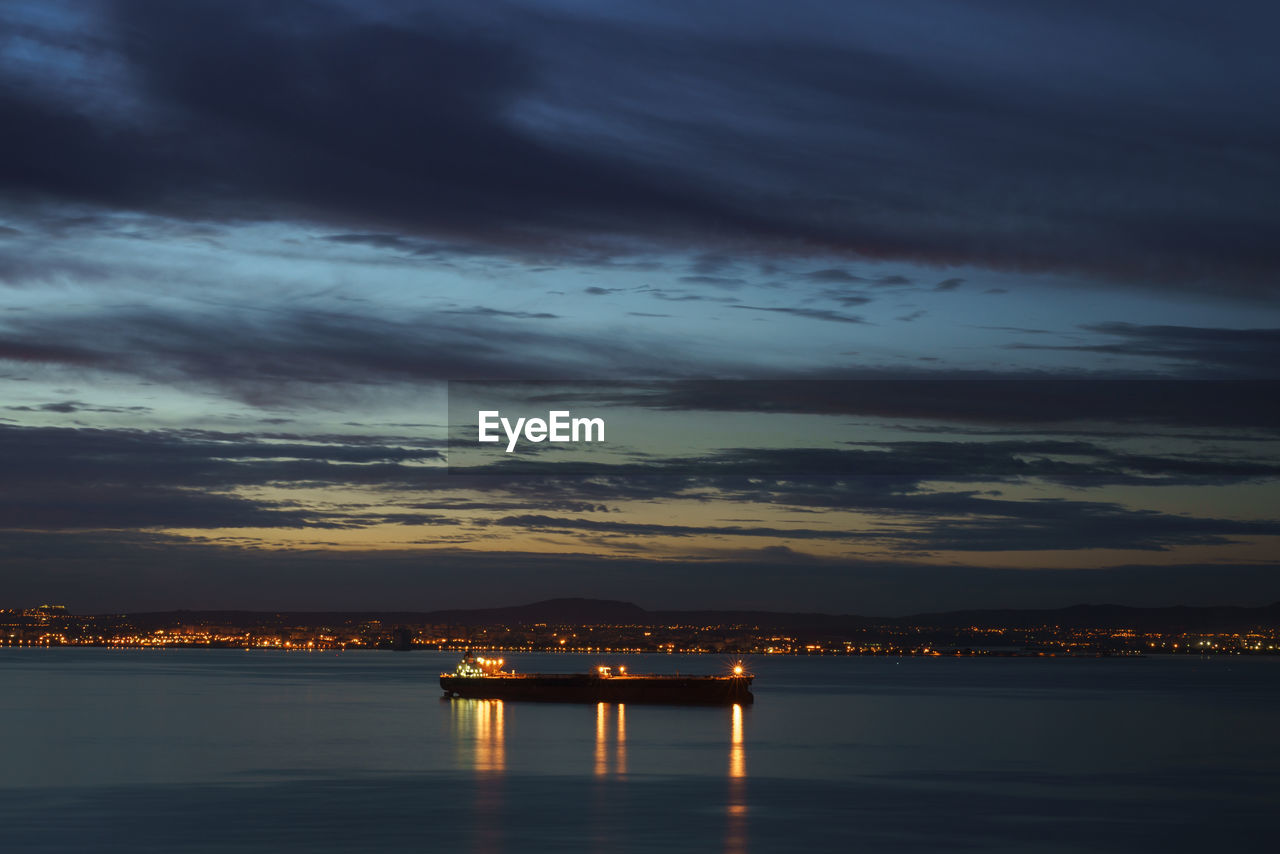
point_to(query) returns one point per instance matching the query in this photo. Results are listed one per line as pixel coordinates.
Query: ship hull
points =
(585, 688)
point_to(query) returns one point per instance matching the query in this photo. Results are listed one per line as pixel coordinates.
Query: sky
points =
(933, 304)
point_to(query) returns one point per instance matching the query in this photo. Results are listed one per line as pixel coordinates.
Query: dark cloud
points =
(148, 479)
(22, 267)
(536, 522)
(833, 275)
(67, 407)
(174, 459)
(485, 311)
(473, 505)
(811, 313)
(311, 122)
(878, 477)
(96, 572)
(275, 357)
(17, 350)
(409, 124)
(73, 480)
(1022, 329)
(394, 242)
(1012, 401)
(682, 296)
(136, 507)
(846, 298)
(1049, 525)
(1076, 529)
(725, 282)
(1251, 352)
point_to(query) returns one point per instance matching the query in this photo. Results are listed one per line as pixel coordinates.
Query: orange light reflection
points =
(735, 832)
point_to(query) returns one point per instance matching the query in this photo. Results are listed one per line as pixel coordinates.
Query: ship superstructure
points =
(483, 678)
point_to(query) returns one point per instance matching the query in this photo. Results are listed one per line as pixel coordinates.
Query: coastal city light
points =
(55, 626)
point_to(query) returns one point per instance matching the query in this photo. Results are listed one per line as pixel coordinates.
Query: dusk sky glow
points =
(241, 255)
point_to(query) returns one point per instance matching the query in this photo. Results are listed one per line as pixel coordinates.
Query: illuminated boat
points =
(480, 678)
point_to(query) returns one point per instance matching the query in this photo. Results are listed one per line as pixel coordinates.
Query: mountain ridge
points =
(585, 611)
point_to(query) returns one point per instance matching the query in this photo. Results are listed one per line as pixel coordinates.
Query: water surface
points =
(260, 751)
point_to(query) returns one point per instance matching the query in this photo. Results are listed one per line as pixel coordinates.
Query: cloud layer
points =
(1131, 145)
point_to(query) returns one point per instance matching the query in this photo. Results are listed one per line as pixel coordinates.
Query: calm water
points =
(212, 750)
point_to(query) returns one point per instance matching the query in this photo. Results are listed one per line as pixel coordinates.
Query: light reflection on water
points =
(135, 752)
(602, 721)
(479, 736)
(601, 767)
(735, 836)
(621, 766)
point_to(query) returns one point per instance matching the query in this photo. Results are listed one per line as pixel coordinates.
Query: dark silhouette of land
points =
(604, 612)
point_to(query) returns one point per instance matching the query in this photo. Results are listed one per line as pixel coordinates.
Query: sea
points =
(110, 750)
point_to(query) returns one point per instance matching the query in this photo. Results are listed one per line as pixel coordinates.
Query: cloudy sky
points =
(962, 304)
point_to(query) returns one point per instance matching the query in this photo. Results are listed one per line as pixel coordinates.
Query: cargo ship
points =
(480, 678)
